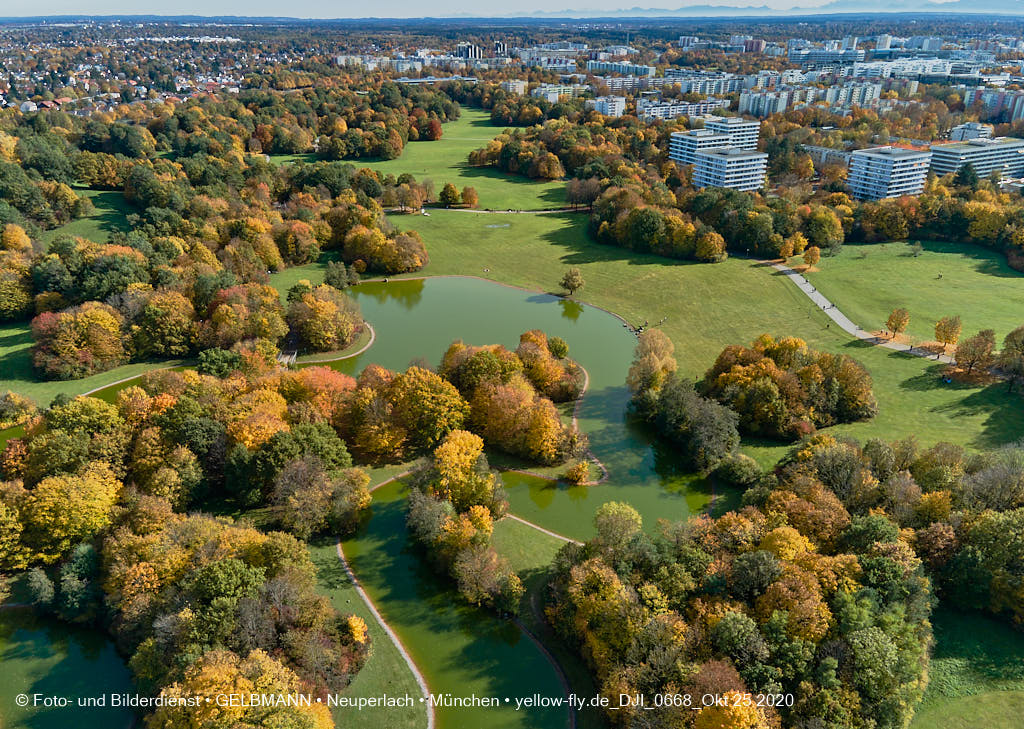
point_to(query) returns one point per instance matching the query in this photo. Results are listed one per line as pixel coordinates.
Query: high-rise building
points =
(514, 86)
(1004, 155)
(685, 41)
(500, 49)
(468, 50)
(742, 133)
(608, 105)
(850, 42)
(736, 169)
(884, 172)
(883, 42)
(684, 146)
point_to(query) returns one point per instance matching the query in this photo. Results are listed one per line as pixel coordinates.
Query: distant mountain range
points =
(836, 7)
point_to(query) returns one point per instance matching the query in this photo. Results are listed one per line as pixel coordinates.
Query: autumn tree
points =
(1011, 356)
(51, 527)
(324, 319)
(470, 198)
(976, 350)
(897, 321)
(812, 255)
(572, 281)
(449, 195)
(652, 361)
(947, 331)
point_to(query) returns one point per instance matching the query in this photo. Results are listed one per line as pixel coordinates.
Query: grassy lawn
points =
(446, 161)
(109, 216)
(977, 676)
(709, 306)
(384, 672)
(868, 281)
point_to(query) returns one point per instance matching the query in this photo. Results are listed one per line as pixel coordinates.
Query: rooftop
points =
(891, 152)
(973, 144)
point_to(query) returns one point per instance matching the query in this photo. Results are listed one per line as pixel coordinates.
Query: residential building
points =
(708, 83)
(885, 172)
(623, 67)
(514, 86)
(684, 146)
(742, 133)
(822, 156)
(883, 42)
(608, 105)
(852, 94)
(685, 41)
(737, 169)
(647, 109)
(1004, 155)
(970, 130)
(764, 103)
(552, 92)
(468, 50)
(816, 56)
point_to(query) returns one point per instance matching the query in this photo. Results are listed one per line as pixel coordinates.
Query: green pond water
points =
(462, 650)
(41, 656)
(419, 319)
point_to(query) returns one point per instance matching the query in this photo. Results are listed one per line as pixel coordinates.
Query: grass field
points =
(446, 161)
(977, 675)
(709, 306)
(868, 281)
(109, 216)
(384, 672)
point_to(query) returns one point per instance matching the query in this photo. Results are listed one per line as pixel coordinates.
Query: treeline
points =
(508, 109)
(453, 503)
(197, 245)
(102, 499)
(779, 389)
(821, 619)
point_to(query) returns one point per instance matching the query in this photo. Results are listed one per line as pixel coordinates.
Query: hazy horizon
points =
(324, 10)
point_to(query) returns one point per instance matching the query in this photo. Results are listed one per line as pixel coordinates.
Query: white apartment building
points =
(737, 169)
(552, 92)
(1001, 154)
(970, 130)
(608, 105)
(648, 110)
(515, 86)
(684, 146)
(884, 172)
(623, 67)
(742, 133)
(764, 103)
(852, 94)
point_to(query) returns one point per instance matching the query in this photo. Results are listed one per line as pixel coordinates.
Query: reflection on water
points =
(40, 655)
(571, 310)
(406, 292)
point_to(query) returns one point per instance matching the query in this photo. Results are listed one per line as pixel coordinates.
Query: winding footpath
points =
(845, 323)
(413, 668)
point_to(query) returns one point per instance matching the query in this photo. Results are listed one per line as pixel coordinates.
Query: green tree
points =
(572, 281)
(1011, 357)
(449, 195)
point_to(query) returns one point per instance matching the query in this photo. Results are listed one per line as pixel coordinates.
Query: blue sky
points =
(350, 9)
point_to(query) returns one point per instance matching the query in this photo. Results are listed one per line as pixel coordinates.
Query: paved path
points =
(844, 321)
(539, 528)
(390, 633)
